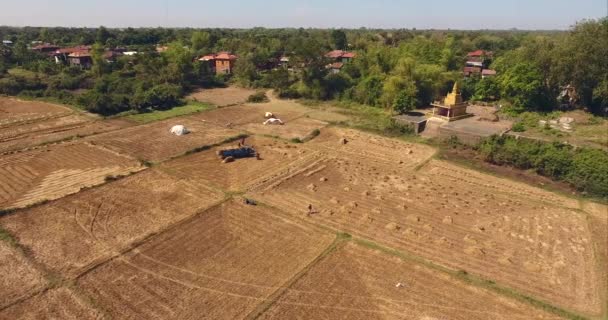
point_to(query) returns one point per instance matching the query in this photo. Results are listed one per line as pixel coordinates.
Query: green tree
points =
(200, 40)
(404, 102)
(487, 90)
(339, 39)
(99, 64)
(102, 35)
(522, 84)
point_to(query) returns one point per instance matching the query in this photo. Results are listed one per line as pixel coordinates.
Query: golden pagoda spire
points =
(456, 89)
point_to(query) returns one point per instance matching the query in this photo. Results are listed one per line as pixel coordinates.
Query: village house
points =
(477, 64)
(45, 48)
(339, 58)
(220, 63)
(81, 59)
(61, 54)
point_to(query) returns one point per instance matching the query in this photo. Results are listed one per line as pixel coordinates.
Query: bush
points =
(585, 169)
(258, 97)
(518, 127)
(289, 93)
(162, 97)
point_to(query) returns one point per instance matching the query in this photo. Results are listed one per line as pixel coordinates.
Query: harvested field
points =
(154, 142)
(52, 130)
(216, 265)
(355, 282)
(597, 218)
(519, 236)
(206, 166)
(18, 278)
(298, 128)
(53, 171)
(83, 230)
(25, 124)
(253, 113)
(14, 111)
(222, 97)
(59, 303)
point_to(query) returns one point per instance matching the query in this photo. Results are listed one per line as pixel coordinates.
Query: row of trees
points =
(397, 69)
(586, 169)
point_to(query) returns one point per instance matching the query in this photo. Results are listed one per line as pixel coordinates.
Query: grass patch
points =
(8, 238)
(157, 115)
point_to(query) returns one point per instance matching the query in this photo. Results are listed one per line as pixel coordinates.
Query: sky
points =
(420, 14)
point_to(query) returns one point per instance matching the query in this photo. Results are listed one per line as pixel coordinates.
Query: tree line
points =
(394, 69)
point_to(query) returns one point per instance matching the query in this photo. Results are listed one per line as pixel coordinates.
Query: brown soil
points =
(18, 278)
(59, 303)
(222, 264)
(85, 229)
(54, 130)
(154, 142)
(359, 283)
(14, 111)
(544, 240)
(53, 171)
(222, 96)
(206, 166)
(26, 124)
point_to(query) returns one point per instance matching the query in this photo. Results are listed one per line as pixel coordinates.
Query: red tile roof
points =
(73, 49)
(225, 56)
(45, 46)
(79, 54)
(219, 56)
(479, 53)
(335, 54)
(336, 65)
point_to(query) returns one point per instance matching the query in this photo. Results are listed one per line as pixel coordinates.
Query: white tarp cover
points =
(179, 130)
(272, 121)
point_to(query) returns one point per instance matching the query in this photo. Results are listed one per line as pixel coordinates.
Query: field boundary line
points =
(268, 302)
(461, 275)
(471, 279)
(136, 244)
(601, 263)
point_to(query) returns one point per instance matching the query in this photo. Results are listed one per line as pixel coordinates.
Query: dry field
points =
(14, 111)
(222, 97)
(82, 230)
(355, 282)
(299, 120)
(54, 130)
(59, 303)
(176, 240)
(53, 171)
(18, 277)
(154, 142)
(220, 265)
(519, 236)
(26, 124)
(253, 113)
(206, 167)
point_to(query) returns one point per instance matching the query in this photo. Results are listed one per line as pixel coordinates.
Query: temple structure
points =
(452, 107)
